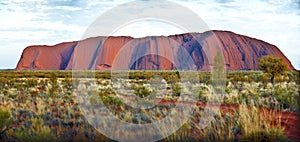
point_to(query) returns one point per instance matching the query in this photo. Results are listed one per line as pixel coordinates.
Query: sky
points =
(48, 22)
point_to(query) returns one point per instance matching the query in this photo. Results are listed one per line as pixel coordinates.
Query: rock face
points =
(184, 51)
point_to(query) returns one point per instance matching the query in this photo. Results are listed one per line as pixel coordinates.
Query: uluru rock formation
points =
(151, 53)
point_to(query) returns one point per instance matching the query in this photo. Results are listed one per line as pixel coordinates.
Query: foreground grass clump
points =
(5, 121)
(5, 117)
(244, 124)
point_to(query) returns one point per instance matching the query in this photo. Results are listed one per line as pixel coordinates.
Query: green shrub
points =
(202, 92)
(4, 117)
(106, 92)
(228, 90)
(286, 98)
(111, 101)
(176, 89)
(12, 96)
(5, 92)
(141, 91)
(31, 82)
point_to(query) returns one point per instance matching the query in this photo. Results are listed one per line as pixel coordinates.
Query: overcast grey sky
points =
(48, 22)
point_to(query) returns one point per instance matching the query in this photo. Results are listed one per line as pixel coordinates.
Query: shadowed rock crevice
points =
(66, 56)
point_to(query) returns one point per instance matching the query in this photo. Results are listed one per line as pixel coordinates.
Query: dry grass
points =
(245, 124)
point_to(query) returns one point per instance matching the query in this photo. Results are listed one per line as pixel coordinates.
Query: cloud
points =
(27, 22)
(22, 1)
(274, 21)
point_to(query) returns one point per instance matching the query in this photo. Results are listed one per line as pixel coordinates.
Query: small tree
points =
(219, 75)
(272, 65)
(54, 85)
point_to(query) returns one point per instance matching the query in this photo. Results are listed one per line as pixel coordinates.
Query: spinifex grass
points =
(244, 124)
(27, 95)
